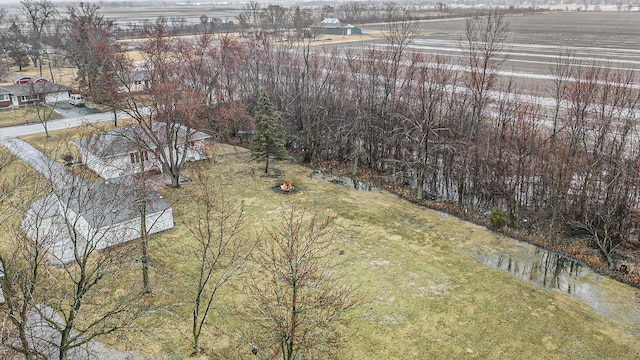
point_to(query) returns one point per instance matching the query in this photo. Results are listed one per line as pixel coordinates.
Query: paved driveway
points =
(69, 111)
(54, 171)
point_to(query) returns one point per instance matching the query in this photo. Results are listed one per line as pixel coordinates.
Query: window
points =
(137, 156)
(4, 97)
(138, 82)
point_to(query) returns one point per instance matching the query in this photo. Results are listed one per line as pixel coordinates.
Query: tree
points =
(251, 12)
(269, 138)
(44, 114)
(485, 36)
(16, 279)
(274, 18)
(91, 46)
(170, 109)
(16, 45)
(297, 307)
(38, 13)
(219, 249)
(86, 296)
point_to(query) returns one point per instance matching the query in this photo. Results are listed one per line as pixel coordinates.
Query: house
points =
(333, 26)
(5, 98)
(40, 91)
(25, 79)
(129, 150)
(87, 217)
(43, 329)
(136, 81)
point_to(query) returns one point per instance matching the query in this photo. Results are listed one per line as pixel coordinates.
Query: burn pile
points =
(286, 187)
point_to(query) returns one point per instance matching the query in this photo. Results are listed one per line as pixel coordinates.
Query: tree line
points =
(445, 130)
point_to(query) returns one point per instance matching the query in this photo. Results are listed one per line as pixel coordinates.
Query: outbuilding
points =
(333, 26)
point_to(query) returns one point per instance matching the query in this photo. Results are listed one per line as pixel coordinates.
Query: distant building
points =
(25, 79)
(333, 26)
(27, 90)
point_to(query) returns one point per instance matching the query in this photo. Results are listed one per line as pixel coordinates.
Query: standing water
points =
(554, 272)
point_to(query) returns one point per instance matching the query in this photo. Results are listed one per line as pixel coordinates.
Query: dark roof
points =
(40, 88)
(125, 140)
(110, 202)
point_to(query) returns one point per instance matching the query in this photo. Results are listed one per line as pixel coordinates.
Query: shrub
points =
(497, 218)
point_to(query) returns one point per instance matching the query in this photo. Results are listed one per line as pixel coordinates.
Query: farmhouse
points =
(130, 150)
(93, 216)
(35, 90)
(333, 26)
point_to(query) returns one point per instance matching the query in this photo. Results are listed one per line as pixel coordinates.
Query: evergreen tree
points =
(269, 138)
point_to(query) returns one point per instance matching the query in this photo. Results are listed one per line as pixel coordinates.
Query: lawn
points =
(424, 295)
(23, 115)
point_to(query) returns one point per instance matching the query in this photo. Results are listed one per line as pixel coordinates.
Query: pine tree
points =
(269, 138)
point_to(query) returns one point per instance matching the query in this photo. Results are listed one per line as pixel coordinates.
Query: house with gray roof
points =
(129, 150)
(39, 91)
(85, 217)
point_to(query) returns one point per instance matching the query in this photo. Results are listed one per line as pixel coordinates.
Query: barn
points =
(333, 26)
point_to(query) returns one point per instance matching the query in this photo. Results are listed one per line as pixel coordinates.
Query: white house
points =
(88, 217)
(127, 151)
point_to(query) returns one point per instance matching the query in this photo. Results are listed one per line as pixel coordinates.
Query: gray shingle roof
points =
(37, 88)
(126, 140)
(111, 202)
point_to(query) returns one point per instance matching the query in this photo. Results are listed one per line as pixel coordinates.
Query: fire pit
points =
(286, 187)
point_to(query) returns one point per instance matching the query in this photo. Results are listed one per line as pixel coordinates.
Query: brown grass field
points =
(424, 295)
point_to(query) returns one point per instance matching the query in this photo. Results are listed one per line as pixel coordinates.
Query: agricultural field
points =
(535, 41)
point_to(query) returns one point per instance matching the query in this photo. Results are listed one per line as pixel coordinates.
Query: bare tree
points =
(66, 272)
(484, 43)
(17, 281)
(168, 110)
(251, 11)
(39, 14)
(91, 47)
(16, 45)
(275, 18)
(297, 307)
(220, 250)
(426, 124)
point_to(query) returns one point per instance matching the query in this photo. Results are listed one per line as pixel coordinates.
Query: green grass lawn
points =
(424, 295)
(23, 115)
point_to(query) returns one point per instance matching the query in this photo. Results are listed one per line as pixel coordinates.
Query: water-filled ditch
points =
(551, 272)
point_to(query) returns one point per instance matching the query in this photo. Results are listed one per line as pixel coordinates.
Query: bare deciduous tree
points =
(66, 270)
(219, 250)
(298, 309)
(39, 14)
(484, 44)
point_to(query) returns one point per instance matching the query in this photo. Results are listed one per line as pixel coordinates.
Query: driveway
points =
(54, 171)
(69, 111)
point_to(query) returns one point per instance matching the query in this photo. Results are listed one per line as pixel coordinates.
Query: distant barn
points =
(333, 26)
